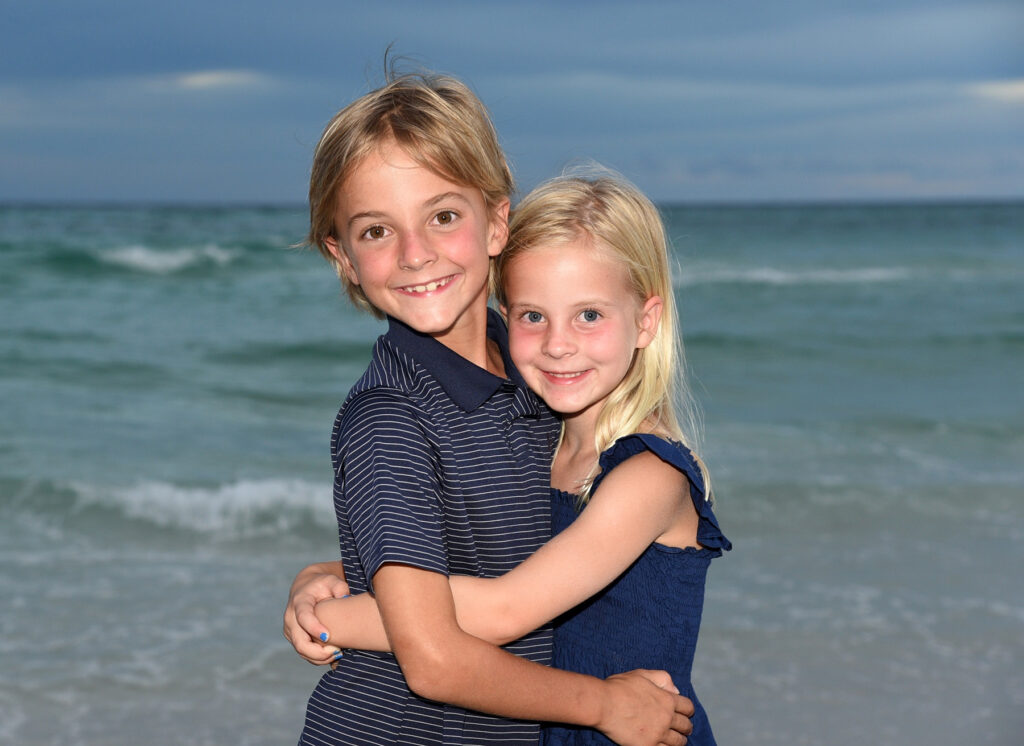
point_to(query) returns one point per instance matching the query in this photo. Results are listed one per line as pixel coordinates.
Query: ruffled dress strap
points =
(709, 534)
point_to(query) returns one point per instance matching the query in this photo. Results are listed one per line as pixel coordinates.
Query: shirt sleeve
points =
(387, 483)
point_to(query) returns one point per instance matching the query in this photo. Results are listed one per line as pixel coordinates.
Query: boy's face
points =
(418, 245)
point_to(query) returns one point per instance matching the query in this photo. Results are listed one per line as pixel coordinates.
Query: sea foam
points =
(775, 276)
(162, 262)
(241, 509)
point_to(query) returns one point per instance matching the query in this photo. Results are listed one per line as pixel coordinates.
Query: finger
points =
(305, 619)
(339, 588)
(661, 679)
(331, 660)
(286, 631)
(684, 706)
(304, 644)
(681, 724)
(317, 654)
(673, 739)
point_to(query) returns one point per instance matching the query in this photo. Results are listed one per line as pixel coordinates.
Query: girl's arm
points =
(640, 501)
(302, 629)
(442, 662)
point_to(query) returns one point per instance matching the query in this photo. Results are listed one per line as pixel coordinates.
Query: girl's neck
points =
(577, 453)
(576, 457)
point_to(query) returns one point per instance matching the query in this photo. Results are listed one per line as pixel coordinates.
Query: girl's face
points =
(574, 324)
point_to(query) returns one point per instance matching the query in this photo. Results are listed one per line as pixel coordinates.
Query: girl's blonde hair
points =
(620, 222)
(437, 120)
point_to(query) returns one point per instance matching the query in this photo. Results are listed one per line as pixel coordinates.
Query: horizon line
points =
(123, 204)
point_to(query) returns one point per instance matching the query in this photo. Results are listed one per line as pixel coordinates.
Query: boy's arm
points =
(442, 662)
(616, 527)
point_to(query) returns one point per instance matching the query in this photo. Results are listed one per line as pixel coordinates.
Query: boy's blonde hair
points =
(622, 223)
(437, 120)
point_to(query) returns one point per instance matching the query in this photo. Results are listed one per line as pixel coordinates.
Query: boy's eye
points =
(445, 217)
(375, 232)
(590, 315)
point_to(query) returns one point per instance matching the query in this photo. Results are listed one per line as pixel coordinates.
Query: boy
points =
(440, 452)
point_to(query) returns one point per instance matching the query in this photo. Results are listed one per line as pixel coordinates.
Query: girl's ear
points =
(343, 260)
(650, 318)
(498, 235)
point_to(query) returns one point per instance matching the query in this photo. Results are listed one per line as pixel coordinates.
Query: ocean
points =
(169, 377)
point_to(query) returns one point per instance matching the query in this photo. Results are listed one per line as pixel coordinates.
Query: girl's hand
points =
(301, 627)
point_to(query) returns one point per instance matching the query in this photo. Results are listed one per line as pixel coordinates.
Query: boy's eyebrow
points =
(376, 214)
(373, 215)
(444, 197)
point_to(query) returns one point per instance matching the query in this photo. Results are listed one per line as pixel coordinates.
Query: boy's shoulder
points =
(389, 369)
(384, 399)
(393, 379)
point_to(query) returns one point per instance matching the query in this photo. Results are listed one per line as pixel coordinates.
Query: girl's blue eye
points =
(534, 317)
(590, 315)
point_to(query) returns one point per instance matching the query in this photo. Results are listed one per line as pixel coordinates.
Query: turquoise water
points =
(169, 377)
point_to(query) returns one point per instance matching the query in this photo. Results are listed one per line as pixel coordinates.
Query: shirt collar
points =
(466, 384)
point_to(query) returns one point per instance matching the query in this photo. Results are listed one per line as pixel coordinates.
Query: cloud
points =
(221, 79)
(691, 100)
(1006, 91)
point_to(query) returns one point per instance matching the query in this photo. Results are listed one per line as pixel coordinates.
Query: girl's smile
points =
(575, 323)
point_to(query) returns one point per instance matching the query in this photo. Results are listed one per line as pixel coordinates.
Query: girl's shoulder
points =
(671, 452)
(654, 456)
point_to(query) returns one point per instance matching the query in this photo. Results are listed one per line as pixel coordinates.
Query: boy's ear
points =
(342, 258)
(498, 228)
(650, 318)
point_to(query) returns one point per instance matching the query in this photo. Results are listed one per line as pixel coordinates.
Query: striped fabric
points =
(445, 467)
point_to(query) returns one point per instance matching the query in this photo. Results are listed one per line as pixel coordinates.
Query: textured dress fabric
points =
(650, 615)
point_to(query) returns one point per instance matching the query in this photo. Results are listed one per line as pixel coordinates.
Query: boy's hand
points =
(301, 627)
(645, 709)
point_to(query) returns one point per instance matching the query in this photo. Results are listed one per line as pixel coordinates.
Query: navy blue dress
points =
(650, 615)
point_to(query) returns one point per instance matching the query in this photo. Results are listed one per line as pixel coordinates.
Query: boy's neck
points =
(469, 340)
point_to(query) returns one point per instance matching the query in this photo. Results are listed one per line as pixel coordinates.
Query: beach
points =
(169, 377)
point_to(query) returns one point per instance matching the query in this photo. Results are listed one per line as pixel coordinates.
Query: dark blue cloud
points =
(223, 101)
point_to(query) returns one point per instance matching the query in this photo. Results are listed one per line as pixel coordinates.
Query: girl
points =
(585, 285)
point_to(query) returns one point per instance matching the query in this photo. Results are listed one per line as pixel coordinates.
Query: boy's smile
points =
(419, 245)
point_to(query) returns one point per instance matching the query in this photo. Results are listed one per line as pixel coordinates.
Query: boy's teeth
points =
(429, 287)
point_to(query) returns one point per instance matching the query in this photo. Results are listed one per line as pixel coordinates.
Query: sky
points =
(201, 101)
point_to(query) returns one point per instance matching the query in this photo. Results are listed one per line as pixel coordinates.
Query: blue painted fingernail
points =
(347, 595)
(339, 655)
(323, 637)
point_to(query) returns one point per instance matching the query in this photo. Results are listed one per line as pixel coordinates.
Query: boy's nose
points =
(415, 252)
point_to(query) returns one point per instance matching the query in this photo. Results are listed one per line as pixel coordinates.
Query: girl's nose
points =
(415, 252)
(558, 342)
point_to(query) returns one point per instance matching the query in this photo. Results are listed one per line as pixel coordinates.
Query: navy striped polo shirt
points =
(442, 466)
